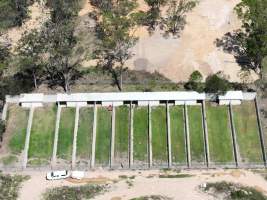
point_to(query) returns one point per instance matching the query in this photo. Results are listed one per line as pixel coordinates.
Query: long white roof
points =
(115, 96)
(132, 96)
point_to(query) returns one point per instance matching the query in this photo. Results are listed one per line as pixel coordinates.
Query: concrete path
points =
(94, 137)
(54, 156)
(205, 132)
(113, 132)
(131, 149)
(187, 137)
(27, 140)
(150, 160)
(237, 156)
(169, 135)
(75, 132)
(261, 134)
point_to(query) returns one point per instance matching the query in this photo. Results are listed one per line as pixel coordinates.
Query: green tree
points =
(13, 12)
(175, 19)
(115, 38)
(253, 40)
(195, 82)
(153, 15)
(31, 58)
(216, 84)
(4, 56)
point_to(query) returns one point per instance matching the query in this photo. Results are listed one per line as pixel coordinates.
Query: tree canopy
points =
(253, 40)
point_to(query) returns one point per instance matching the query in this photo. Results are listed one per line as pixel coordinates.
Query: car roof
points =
(57, 173)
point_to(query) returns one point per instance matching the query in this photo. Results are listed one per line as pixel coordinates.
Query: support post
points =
(261, 133)
(131, 149)
(75, 132)
(187, 137)
(27, 140)
(205, 131)
(233, 131)
(169, 135)
(149, 137)
(94, 137)
(113, 132)
(54, 155)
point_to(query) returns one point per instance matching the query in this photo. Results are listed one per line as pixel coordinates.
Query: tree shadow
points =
(233, 43)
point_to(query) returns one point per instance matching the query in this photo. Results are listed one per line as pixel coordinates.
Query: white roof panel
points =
(232, 95)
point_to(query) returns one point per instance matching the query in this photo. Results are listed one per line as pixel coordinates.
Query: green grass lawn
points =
(219, 132)
(65, 135)
(121, 136)
(177, 135)
(84, 136)
(140, 134)
(159, 135)
(196, 133)
(16, 126)
(42, 132)
(103, 136)
(247, 132)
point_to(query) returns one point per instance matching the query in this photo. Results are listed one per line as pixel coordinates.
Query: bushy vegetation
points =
(10, 185)
(13, 13)
(233, 191)
(77, 193)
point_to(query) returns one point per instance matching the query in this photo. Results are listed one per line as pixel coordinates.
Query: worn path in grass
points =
(42, 133)
(177, 135)
(196, 134)
(140, 142)
(84, 136)
(219, 130)
(122, 135)
(245, 121)
(65, 135)
(103, 136)
(159, 136)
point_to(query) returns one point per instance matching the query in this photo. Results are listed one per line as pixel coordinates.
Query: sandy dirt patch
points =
(38, 15)
(145, 183)
(195, 49)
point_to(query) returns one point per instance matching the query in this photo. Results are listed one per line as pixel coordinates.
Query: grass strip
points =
(85, 130)
(159, 135)
(103, 136)
(65, 135)
(247, 132)
(42, 132)
(196, 133)
(219, 131)
(177, 134)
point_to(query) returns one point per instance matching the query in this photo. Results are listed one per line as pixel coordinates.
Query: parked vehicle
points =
(57, 175)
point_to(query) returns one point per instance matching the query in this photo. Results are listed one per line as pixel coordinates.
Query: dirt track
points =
(146, 183)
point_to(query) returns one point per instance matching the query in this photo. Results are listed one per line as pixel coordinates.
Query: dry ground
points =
(146, 183)
(174, 58)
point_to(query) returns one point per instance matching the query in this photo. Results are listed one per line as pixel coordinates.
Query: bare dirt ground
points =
(176, 59)
(146, 183)
(38, 15)
(195, 49)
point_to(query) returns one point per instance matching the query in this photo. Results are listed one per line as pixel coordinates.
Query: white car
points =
(57, 175)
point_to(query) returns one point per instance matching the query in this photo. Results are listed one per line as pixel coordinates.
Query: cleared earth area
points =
(190, 143)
